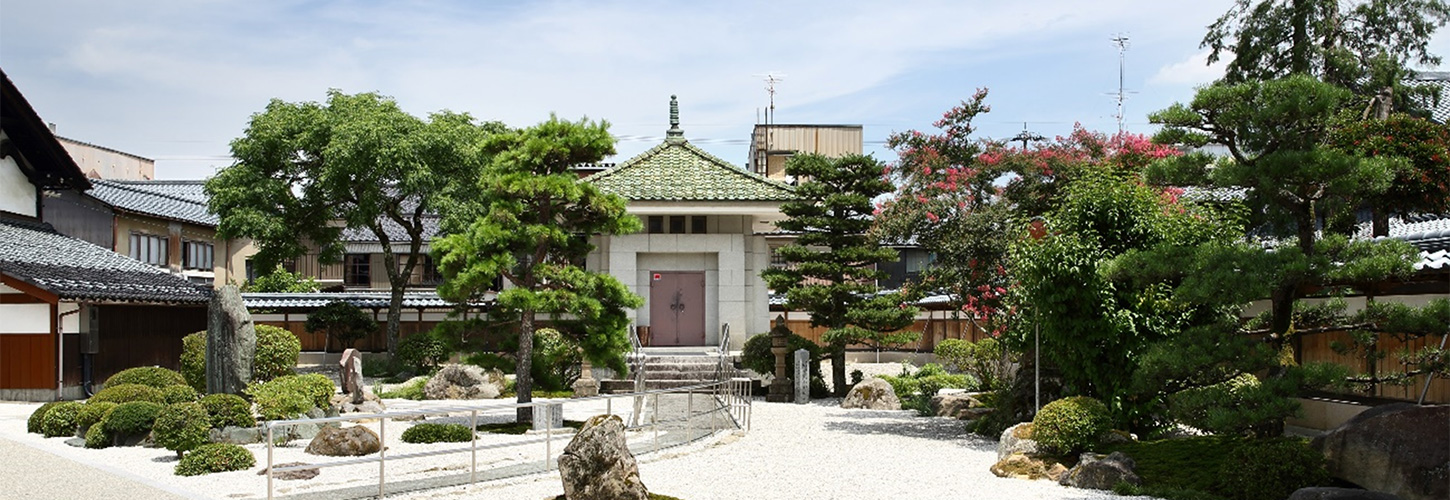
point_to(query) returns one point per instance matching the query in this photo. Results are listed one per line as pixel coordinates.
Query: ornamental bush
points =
(60, 420)
(291, 395)
(438, 433)
(228, 409)
(422, 353)
(181, 426)
(1271, 470)
(193, 360)
(97, 437)
(1070, 425)
(178, 394)
(215, 457)
(126, 393)
(92, 413)
(133, 418)
(756, 355)
(153, 376)
(37, 417)
(277, 352)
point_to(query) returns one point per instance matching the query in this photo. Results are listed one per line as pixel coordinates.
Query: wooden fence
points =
(935, 328)
(1317, 348)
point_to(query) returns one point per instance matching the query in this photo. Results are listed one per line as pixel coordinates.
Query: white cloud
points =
(1192, 71)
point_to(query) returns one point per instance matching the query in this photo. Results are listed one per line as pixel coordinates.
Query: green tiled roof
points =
(678, 171)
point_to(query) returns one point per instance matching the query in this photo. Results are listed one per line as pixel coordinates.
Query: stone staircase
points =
(668, 368)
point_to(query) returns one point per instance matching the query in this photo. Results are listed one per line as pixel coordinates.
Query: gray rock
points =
(293, 475)
(1020, 466)
(1101, 472)
(955, 405)
(1402, 449)
(352, 375)
(872, 394)
(342, 403)
(1324, 493)
(76, 442)
(1016, 439)
(238, 435)
(597, 464)
(231, 342)
(464, 382)
(353, 441)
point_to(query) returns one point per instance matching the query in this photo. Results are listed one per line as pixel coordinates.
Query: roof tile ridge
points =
(636, 160)
(740, 171)
(128, 187)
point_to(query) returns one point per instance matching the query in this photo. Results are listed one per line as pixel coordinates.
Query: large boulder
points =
(956, 405)
(1016, 439)
(1325, 493)
(231, 342)
(464, 382)
(1401, 449)
(872, 394)
(353, 441)
(1101, 472)
(1020, 466)
(597, 465)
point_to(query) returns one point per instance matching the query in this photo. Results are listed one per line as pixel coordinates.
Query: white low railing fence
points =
(688, 414)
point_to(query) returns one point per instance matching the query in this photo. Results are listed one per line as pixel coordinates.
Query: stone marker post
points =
(802, 376)
(231, 342)
(352, 384)
(780, 387)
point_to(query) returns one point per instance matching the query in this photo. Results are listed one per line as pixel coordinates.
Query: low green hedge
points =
(153, 376)
(181, 426)
(228, 409)
(1071, 425)
(179, 394)
(132, 418)
(92, 414)
(126, 393)
(97, 437)
(437, 433)
(60, 420)
(291, 395)
(1271, 470)
(215, 457)
(37, 417)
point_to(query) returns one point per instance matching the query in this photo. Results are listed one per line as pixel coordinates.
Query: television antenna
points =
(1121, 41)
(771, 79)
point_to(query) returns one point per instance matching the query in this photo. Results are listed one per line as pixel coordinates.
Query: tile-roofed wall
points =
(76, 270)
(163, 199)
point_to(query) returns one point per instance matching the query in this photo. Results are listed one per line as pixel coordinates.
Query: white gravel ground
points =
(812, 451)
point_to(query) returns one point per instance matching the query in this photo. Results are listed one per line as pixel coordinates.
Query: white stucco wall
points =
(17, 194)
(25, 318)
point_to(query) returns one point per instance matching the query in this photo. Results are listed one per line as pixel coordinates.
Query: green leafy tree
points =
(832, 266)
(305, 172)
(529, 222)
(1418, 187)
(1363, 46)
(282, 281)
(342, 321)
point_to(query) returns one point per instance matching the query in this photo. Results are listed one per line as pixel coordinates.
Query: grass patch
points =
(413, 391)
(509, 393)
(1184, 468)
(520, 428)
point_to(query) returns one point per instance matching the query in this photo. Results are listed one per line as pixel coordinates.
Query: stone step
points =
(627, 386)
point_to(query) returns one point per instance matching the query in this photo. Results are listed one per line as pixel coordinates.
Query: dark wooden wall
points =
(79, 216)
(133, 336)
(27, 361)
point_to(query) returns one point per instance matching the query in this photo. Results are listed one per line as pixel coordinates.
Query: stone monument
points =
(802, 376)
(352, 374)
(231, 342)
(586, 386)
(780, 387)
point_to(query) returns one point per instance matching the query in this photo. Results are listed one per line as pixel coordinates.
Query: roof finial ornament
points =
(674, 135)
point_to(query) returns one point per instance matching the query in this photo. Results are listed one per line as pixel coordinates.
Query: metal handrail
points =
(732, 398)
(723, 368)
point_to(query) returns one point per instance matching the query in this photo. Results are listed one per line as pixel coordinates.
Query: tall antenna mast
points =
(1121, 41)
(763, 161)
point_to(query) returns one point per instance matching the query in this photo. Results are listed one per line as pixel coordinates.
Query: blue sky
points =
(176, 80)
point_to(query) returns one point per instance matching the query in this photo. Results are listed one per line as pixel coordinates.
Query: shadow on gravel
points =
(923, 429)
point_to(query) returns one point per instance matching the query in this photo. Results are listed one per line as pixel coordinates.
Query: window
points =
(357, 269)
(196, 255)
(251, 270)
(677, 224)
(776, 260)
(697, 224)
(425, 271)
(656, 224)
(149, 249)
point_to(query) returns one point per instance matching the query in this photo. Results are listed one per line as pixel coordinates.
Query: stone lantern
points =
(780, 389)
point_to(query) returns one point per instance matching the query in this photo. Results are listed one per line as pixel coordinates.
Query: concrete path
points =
(32, 474)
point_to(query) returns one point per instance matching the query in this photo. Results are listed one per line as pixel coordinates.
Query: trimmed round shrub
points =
(215, 457)
(756, 355)
(422, 352)
(181, 426)
(1070, 425)
(276, 356)
(277, 352)
(291, 395)
(1271, 470)
(178, 394)
(228, 409)
(193, 360)
(60, 420)
(438, 433)
(126, 393)
(92, 413)
(97, 437)
(153, 376)
(37, 417)
(132, 418)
